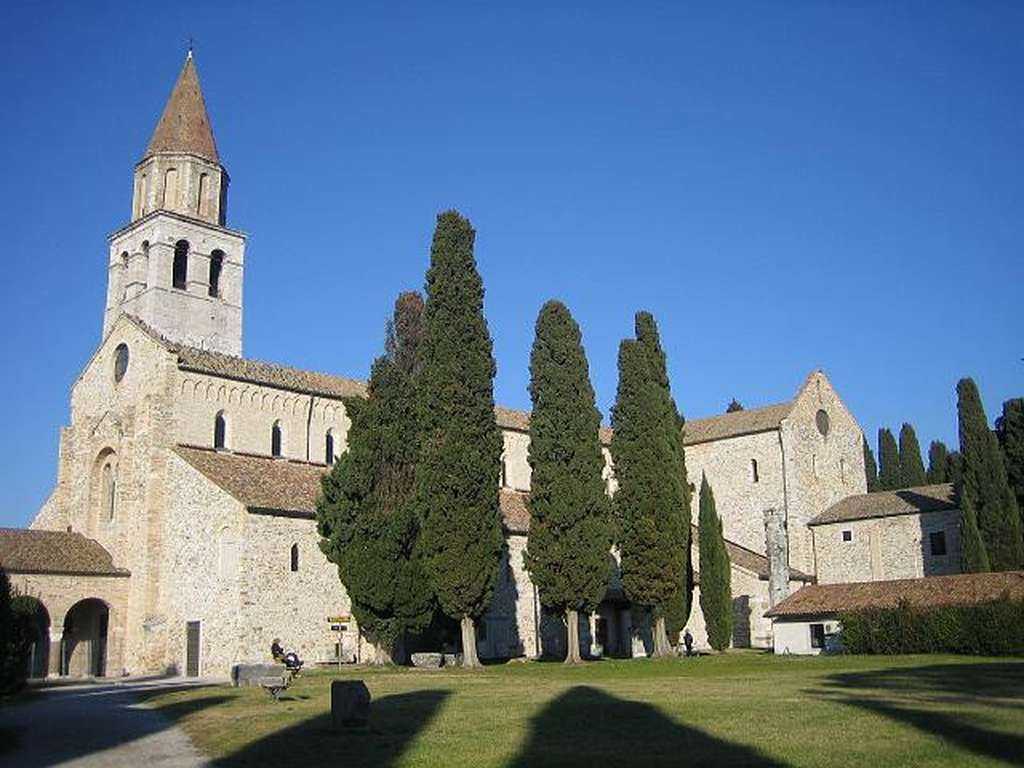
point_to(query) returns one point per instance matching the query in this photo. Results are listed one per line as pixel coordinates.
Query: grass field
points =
(740, 709)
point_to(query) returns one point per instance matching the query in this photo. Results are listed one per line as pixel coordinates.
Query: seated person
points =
(276, 651)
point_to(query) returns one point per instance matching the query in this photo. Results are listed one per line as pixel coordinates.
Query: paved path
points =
(96, 725)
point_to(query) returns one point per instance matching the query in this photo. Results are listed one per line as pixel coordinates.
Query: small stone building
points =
(187, 474)
(807, 622)
(904, 534)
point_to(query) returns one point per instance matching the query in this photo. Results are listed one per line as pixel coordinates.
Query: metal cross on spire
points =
(191, 45)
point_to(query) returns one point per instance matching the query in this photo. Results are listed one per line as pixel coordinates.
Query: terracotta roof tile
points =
(514, 512)
(907, 501)
(928, 592)
(260, 483)
(184, 125)
(58, 552)
(735, 424)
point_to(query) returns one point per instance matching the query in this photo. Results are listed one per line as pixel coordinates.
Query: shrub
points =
(994, 628)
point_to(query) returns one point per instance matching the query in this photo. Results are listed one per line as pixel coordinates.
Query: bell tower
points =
(177, 266)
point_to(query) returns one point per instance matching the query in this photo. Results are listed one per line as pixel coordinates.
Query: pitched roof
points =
(514, 512)
(737, 423)
(907, 501)
(57, 552)
(270, 374)
(510, 418)
(927, 592)
(184, 125)
(260, 483)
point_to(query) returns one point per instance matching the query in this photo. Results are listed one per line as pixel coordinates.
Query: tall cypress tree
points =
(938, 462)
(366, 513)
(889, 474)
(870, 467)
(911, 467)
(973, 555)
(954, 468)
(461, 444)
(651, 508)
(984, 484)
(568, 549)
(715, 572)
(1010, 429)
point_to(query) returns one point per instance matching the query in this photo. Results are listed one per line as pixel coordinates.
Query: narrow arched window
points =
(170, 188)
(275, 439)
(179, 276)
(329, 447)
(503, 473)
(216, 265)
(109, 491)
(202, 205)
(220, 431)
(295, 558)
(753, 471)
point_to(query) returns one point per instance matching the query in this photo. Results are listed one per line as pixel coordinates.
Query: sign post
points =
(339, 624)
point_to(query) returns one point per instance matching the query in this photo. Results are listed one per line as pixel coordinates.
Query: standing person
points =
(688, 642)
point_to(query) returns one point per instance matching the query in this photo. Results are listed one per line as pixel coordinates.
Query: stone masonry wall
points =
(886, 548)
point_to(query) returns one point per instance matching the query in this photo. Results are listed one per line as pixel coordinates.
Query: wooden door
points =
(192, 649)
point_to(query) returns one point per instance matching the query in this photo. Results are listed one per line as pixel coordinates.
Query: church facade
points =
(179, 536)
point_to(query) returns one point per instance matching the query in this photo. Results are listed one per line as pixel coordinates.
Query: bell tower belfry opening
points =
(177, 266)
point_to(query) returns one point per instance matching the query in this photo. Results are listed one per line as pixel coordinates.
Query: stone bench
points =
(249, 675)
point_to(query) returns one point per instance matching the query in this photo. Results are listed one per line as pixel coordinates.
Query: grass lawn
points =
(741, 709)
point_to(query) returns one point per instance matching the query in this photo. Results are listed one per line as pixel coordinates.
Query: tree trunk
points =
(572, 625)
(469, 657)
(662, 647)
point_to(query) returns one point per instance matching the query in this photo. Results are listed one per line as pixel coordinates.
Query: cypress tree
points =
(954, 468)
(1010, 429)
(651, 503)
(984, 485)
(911, 467)
(366, 513)
(889, 474)
(973, 557)
(938, 462)
(676, 611)
(461, 444)
(714, 569)
(569, 546)
(870, 467)
(734, 405)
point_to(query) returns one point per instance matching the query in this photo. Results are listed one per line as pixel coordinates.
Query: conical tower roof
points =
(185, 126)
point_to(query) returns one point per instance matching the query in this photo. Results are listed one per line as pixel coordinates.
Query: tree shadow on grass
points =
(899, 693)
(587, 727)
(395, 721)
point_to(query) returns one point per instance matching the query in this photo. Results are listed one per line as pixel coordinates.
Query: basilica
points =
(179, 536)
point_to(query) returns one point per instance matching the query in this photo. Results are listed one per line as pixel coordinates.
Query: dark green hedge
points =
(995, 628)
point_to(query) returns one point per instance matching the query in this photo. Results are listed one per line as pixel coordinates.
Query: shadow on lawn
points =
(893, 692)
(395, 722)
(586, 727)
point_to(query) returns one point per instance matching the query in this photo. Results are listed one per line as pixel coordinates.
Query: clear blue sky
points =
(785, 185)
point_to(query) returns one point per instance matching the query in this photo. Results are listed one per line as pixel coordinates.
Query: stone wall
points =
(821, 468)
(250, 412)
(739, 498)
(886, 548)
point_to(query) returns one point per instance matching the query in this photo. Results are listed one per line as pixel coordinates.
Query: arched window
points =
(179, 276)
(275, 439)
(109, 491)
(202, 205)
(295, 558)
(170, 188)
(329, 447)
(753, 471)
(503, 473)
(220, 431)
(216, 265)
(124, 275)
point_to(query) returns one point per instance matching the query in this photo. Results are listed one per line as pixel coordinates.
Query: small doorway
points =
(84, 646)
(192, 649)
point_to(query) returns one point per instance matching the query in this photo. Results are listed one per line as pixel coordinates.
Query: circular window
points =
(822, 420)
(120, 361)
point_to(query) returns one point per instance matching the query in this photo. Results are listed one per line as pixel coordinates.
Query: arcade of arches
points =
(76, 597)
